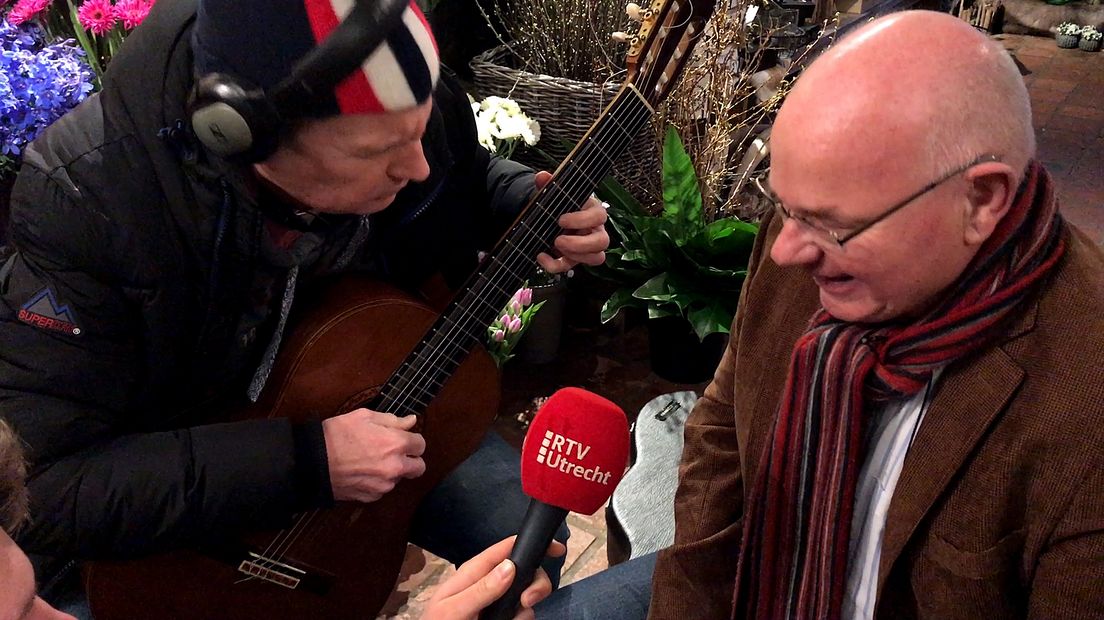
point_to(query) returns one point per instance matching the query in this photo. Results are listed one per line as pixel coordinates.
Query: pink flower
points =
(505, 320)
(499, 335)
(24, 10)
(132, 12)
(514, 326)
(524, 296)
(515, 307)
(97, 16)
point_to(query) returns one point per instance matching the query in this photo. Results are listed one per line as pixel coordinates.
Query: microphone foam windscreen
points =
(575, 451)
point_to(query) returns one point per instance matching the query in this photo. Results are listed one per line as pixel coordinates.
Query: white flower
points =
(1068, 28)
(500, 121)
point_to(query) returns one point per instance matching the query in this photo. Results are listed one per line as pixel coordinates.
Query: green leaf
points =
(90, 53)
(620, 299)
(682, 201)
(654, 289)
(658, 311)
(619, 198)
(711, 319)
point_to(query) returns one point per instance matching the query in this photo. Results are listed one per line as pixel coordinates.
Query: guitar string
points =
(408, 380)
(594, 148)
(527, 238)
(530, 236)
(417, 380)
(303, 524)
(411, 383)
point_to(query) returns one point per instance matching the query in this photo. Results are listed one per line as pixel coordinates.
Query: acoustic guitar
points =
(342, 562)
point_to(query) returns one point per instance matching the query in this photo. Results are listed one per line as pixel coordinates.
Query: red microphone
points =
(573, 457)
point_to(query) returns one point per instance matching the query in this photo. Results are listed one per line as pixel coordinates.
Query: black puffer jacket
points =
(136, 257)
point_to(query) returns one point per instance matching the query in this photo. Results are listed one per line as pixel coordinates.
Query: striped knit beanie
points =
(259, 41)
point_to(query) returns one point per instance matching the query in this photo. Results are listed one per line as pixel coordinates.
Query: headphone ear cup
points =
(233, 121)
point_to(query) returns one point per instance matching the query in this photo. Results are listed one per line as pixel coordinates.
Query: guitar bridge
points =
(272, 571)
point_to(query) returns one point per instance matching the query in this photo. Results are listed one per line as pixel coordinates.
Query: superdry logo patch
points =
(44, 311)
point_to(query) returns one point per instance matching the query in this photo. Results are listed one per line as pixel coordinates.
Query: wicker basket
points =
(565, 109)
(1089, 46)
(1067, 41)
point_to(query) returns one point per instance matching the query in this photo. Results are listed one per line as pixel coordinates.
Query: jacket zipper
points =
(426, 203)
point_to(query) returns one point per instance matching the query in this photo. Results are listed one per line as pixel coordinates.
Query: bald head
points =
(916, 93)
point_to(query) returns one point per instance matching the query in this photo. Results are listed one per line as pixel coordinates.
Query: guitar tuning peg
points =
(633, 11)
(620, 37)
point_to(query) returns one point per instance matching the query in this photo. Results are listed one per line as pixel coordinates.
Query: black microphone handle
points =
(537, 529)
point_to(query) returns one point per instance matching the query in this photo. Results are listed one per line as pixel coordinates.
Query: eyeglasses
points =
(836, 238)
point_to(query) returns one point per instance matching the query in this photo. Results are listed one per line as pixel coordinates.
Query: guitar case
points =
(640, 517)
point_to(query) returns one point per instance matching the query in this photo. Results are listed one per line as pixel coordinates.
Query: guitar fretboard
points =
(464, 322)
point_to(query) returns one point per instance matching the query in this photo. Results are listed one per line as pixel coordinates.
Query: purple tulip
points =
(525, 296)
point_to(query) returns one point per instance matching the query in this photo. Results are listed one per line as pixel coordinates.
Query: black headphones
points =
(242, 122)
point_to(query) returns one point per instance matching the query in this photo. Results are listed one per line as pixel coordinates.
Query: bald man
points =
(909, 419)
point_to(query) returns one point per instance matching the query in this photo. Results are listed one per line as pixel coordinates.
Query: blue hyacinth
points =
(39, 82)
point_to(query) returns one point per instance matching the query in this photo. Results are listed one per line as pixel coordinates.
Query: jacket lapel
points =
(968, 399)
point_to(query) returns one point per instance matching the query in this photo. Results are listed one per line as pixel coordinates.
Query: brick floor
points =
(1067, 96)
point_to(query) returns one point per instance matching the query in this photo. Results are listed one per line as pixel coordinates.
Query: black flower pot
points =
(676, 353)
(541, 342)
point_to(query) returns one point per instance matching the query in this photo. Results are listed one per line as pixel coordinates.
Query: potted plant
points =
(685, 272)
(541, 343)
(1068, 35)
(1090, 39)
(506, 331)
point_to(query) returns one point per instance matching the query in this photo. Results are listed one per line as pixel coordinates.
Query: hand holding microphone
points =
(573, 457)
(481, 580)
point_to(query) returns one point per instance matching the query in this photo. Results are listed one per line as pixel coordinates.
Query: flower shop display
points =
(40, 81)
(53, 55)
(556, 58)
(99, 26)
(502, 125)
(1090, 39)
(685, 272)
(517, 317)
(1067, 36)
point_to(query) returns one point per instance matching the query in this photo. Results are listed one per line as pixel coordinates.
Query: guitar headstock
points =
(661, 47)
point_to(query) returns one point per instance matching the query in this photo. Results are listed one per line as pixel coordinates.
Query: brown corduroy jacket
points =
(999, 509)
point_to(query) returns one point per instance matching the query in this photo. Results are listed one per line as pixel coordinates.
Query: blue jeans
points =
(477, 505)
(620, 592)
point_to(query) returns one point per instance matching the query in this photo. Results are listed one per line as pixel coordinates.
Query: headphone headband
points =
(240, 121)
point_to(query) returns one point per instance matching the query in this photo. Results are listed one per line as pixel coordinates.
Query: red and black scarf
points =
(793, 560)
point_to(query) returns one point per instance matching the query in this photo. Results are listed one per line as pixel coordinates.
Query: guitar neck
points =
(464, 322)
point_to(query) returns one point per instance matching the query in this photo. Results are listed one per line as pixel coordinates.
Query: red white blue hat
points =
(259, 41)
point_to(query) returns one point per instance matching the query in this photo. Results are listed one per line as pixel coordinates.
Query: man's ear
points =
(992, 188)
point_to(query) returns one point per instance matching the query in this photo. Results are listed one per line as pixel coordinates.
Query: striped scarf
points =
(793, 560)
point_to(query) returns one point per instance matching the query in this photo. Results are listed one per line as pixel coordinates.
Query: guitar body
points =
(343, 562)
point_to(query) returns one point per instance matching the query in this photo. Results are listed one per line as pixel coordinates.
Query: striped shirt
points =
(894, 428)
